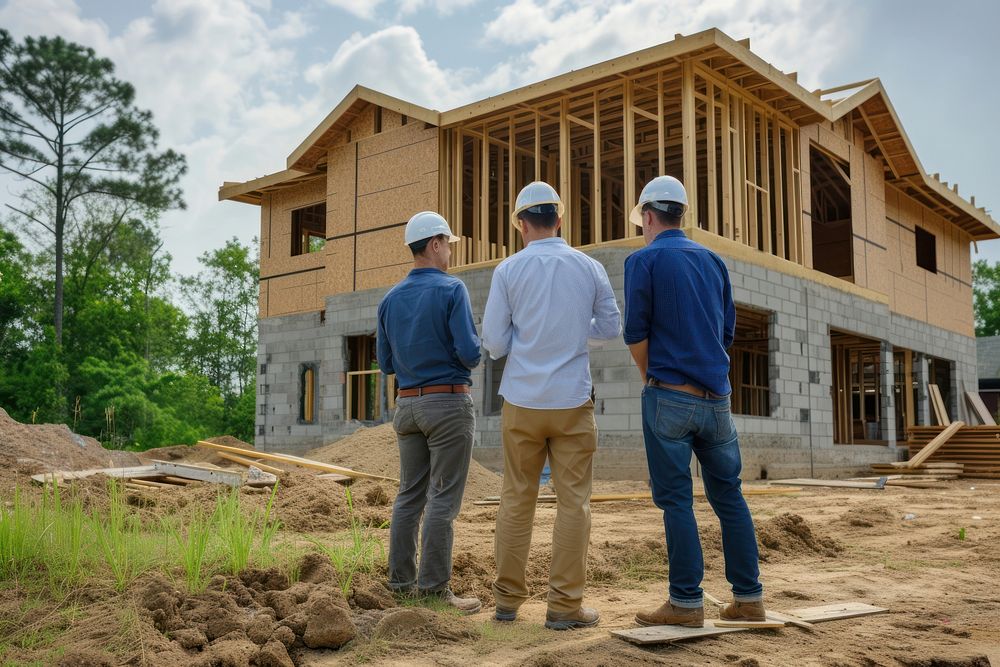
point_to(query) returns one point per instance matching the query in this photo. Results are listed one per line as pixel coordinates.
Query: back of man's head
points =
(667, 213)
(542, 216)
(418, 247)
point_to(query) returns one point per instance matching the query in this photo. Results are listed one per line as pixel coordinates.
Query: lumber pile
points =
(976, 448)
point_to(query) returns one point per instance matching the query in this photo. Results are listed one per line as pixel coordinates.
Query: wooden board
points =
(772, 615)
(202, 474)
(934, 444)
(297, 460)
(979, 409)
(937, 402)
(242, 460)
(667, 634)
(120, 473)
(749, 625)
(838, 483)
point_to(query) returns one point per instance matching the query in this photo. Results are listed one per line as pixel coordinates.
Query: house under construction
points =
(850, 264)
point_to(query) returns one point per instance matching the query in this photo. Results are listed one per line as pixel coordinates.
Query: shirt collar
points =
(547, 241)
(426, 269)
(669, 234)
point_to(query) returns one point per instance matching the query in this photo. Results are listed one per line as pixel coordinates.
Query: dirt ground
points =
(896, 548)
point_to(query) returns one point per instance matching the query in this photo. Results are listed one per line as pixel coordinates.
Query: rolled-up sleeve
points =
(383, 350)
(498, 327)
(606, 323)
(638, 300)
(463, 329)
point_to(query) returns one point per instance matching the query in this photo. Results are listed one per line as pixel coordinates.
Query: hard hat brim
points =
(635, 217)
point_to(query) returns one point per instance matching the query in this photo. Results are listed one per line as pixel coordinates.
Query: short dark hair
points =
(418, 247)
(671, 217)
(544, 216)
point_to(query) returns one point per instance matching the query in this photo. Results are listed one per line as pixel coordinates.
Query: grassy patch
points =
(494, 635)
(357, 550)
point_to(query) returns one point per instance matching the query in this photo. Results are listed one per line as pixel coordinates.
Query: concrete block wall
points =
(795, 439)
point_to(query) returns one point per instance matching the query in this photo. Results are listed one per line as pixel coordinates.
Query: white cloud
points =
(443, 7)
(394, 61)
(560, 35)
(364, 9)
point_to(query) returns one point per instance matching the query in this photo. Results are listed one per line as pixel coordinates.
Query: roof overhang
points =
(885, 136)
(251, 192)
(312, 151)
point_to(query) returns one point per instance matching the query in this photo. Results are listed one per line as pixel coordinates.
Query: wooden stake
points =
(235, 458)
(299, 461)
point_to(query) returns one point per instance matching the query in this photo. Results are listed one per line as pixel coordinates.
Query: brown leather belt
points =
(686, 388)
(435, 389)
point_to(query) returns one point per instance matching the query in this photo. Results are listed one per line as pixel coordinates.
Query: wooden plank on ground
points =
(199, 473)
(933, 445)
(979, 408)
(773, 615)
(297, 460)
(749, 625)
(837, 483)
(617, 497)
(242, 460)
(667, 634)
(336, 477)
(129, 472)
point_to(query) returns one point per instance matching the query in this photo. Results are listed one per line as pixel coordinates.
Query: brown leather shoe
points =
(668, 614)
(743, 611)
(465, 605)
(584, 617)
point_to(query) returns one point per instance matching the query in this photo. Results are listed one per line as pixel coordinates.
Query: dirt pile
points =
(29, 449)
(191, 454)
(868, 515)
(791, 535)
(374, 450)
(258, 618)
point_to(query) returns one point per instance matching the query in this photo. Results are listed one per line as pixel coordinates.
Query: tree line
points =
(95, 329)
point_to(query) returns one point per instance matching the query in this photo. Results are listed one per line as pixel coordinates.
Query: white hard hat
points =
(425, 225)
(660, 189)
(535, 194)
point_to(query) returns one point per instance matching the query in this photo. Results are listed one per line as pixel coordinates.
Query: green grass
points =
(358, 550)
(494, 635)
(244, 539)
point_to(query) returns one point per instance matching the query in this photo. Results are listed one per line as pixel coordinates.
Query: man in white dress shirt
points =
(545, 303)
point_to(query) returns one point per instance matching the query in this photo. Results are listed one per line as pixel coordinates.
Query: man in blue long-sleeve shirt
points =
(426, 336)
(679, 322)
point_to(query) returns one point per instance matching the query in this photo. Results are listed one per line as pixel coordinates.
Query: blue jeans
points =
(675, 424)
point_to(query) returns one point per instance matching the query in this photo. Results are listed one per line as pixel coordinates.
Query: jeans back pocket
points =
(673, 420)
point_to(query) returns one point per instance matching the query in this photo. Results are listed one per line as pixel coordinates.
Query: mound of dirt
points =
(192, 454)
(790, 535)
(868, 515)
(374, 450)
(29, 449)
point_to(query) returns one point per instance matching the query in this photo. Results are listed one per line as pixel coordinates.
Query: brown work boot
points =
(584, 617)
(743, 611)
(465, 605)
(669, 614)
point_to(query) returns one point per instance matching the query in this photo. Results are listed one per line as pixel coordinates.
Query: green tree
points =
(71, 130)
(222, 301)
(986, 297)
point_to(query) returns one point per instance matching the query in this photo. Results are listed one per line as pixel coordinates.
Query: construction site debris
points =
(300, 461)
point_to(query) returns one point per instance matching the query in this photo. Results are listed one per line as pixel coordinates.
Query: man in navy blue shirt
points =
(426, 336)
(679, 322)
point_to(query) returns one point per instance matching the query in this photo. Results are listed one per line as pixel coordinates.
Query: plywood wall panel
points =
(394, 207)
(382, 248)
(339, 266)
(383, 276)
(340, 190)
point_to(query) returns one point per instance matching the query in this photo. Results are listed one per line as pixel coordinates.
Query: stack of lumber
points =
(977, 448)
(935, 469)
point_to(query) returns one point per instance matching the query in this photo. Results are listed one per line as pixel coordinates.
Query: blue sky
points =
(236, 84)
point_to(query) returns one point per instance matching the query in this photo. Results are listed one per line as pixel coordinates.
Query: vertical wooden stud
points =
(688, 143)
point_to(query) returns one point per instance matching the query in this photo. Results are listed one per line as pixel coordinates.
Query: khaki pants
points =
(569, 438)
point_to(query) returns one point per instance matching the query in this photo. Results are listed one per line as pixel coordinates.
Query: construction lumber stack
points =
(977, 448)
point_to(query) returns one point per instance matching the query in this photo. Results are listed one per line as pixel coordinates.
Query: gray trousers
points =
(435, 434)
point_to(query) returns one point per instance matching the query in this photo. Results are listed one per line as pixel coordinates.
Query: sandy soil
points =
(818, 546)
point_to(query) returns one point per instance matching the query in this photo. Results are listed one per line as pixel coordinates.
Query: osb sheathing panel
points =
(297, 293)
(398, 167)
(280, 204)
(340, 191)
(383, 276)
(277, 266)
(382, 248)
(396, 206)
(262, 299)
(943, 299)
(413, 132)
(339, 266)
